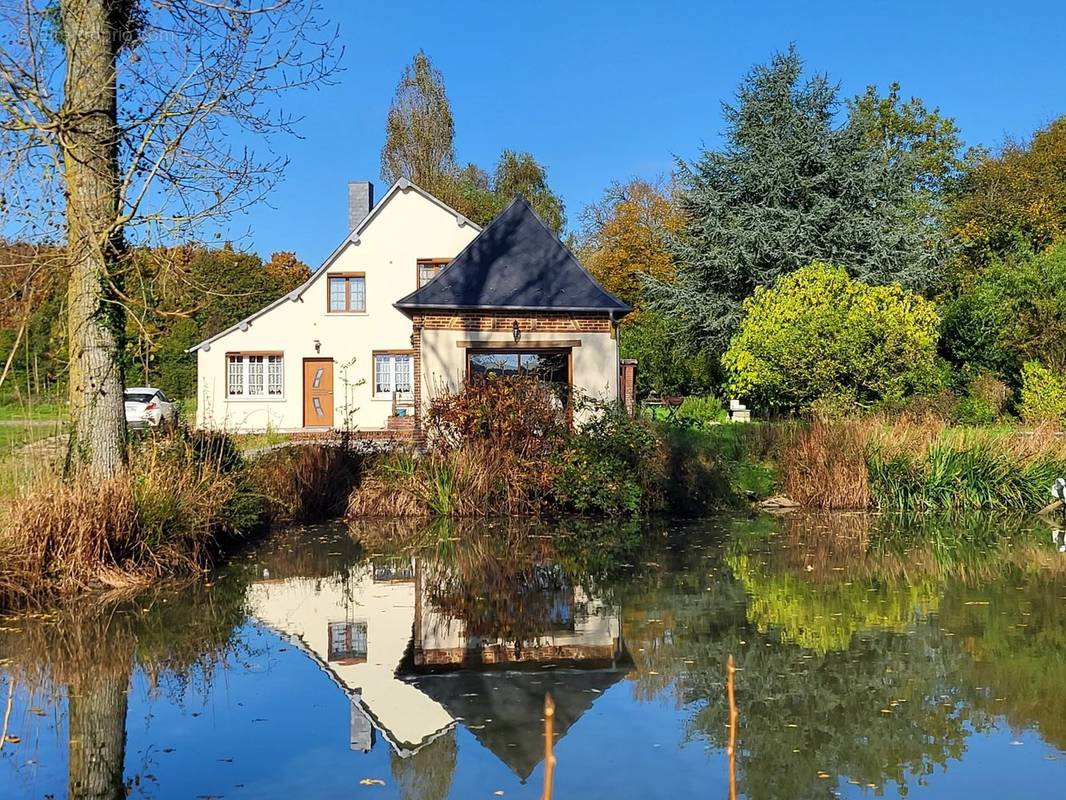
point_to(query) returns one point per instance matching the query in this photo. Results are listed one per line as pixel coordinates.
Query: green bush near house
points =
(612, 465)
(1043, 394)
(819, 336)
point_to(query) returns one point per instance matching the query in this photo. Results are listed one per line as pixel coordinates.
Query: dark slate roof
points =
(515, 263)
(504, 710)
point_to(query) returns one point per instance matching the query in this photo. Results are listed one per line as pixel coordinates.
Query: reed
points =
(906, 464)
(166, 515)
(306, 483)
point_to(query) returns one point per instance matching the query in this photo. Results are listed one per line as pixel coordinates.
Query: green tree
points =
(520, 173)
(1012, 311)
(666, 364)
(419, 130)
(920, 140)
(788, 187)
(819, 335)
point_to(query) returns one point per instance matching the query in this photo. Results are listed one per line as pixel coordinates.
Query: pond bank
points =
(913, 657)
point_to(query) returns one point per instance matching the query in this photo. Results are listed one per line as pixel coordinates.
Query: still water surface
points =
(877, 658)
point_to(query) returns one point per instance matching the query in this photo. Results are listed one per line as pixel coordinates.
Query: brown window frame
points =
(374, 371)
(487, 348)
(434, 262)
(347, 278)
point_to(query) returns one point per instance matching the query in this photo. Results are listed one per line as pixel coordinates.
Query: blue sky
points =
(603, 91)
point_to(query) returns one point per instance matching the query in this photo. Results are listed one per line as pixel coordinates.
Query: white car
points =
(147, 406)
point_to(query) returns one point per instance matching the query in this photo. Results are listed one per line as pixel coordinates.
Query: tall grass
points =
(305, 483)
(907, 465)
(166, 515)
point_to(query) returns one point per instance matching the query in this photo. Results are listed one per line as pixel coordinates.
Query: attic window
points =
(347, 292)
(429, 268)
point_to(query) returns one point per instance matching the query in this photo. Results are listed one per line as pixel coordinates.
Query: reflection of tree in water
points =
(427, 774)
(512, 581)
(88, 651)
(873, 702)
(1014, 632)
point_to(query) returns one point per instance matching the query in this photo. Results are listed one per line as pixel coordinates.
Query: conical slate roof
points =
(515, 263)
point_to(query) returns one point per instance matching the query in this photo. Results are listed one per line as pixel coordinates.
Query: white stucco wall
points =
(407, 227)
(595, 361)
(303, 608)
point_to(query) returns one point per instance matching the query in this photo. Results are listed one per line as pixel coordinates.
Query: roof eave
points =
(412, 307)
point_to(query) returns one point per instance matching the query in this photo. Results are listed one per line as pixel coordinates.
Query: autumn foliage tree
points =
(1014, 201)
(625, 238)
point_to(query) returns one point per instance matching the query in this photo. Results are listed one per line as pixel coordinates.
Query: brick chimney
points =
(360, 201)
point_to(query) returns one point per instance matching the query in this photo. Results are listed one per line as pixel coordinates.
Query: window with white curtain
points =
(255, 375)
(394, 372)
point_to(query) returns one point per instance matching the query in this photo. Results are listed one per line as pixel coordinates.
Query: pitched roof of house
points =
(401, 185)
(503, 710)
(515, 263)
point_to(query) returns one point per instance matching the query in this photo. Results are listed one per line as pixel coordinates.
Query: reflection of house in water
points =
(358, 628)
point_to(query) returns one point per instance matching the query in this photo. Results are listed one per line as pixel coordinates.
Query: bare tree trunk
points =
(97, 724)
(95, 318)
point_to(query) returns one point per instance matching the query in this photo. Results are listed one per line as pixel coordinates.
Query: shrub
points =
(1043, 394)
(492, 449)
(701, 412)
(613, 465)
(518, 413)
(985, 401)
(818, 334)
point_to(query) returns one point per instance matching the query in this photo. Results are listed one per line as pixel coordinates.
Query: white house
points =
(416, 298)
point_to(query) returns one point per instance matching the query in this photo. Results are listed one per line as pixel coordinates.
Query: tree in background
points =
(790, 187)
(624, 243)
(119, 122)
(818, 336)
(625, 239)
(420, 146)
(1011, 312)
(912, 138)
(419, 131)
(521, 174)
(1014, 202)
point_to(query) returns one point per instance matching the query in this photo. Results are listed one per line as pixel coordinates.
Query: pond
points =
(877, 657)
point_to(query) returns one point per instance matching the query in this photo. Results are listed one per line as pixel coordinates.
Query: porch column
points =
(628, 386)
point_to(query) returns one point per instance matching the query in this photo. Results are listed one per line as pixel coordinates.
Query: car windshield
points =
(138, 397)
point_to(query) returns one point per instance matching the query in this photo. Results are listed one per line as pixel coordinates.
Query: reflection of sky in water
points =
(925, 670)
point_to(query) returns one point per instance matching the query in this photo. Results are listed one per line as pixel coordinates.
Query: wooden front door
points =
(318, 392)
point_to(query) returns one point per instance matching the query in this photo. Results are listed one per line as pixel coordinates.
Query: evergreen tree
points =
(789, 187)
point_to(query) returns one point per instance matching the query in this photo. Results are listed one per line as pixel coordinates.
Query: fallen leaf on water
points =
(38, 711)
(498, 793)
(372, 782)
(12, 739)
(823, 775)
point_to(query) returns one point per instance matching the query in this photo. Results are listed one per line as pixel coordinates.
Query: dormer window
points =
(347, 292)
(429, 268)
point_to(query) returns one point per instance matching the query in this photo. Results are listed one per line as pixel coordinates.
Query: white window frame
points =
(248, 364)
(393, 359)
